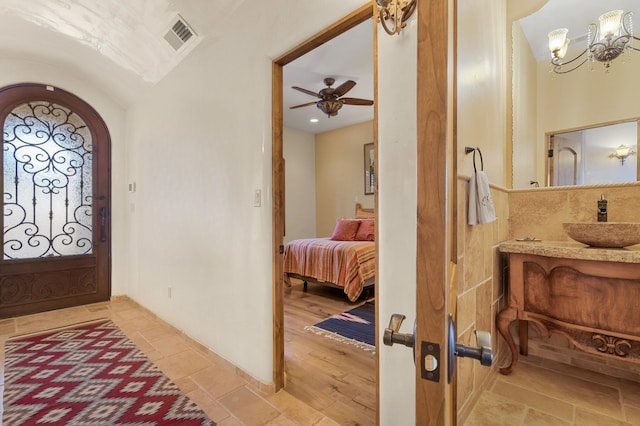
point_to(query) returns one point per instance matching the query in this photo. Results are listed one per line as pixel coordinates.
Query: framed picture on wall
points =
(369, 169)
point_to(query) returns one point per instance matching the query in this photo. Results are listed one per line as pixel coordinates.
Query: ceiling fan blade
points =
(344, 88)
(356, 101)
(308, 92)
(303, 105)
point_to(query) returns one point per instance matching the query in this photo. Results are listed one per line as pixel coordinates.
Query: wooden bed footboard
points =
(367, 288)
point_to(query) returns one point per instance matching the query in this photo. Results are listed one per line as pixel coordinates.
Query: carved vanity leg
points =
(504, 318)
(523, 328)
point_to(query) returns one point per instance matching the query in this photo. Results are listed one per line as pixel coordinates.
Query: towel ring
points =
(469, 150)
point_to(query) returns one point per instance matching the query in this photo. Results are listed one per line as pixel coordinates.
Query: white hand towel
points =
(480, 208)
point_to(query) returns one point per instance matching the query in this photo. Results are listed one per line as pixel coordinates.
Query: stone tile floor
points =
(543, 392)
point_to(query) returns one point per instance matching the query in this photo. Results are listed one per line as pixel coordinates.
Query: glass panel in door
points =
(48, 187)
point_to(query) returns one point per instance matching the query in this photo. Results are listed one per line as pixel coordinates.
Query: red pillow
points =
(366, 230)
(345, 230)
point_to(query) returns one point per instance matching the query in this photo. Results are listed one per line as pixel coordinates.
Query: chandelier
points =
(605, 42)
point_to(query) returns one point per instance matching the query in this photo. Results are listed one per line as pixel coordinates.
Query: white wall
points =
(201, 145)
(482, 81)
(525, 119)
(16, 70)
(584, 97)
(300, 178)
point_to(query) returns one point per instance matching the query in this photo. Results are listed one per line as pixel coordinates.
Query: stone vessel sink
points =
(604, 234)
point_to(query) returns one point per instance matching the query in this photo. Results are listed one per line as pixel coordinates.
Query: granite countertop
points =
(572, 250)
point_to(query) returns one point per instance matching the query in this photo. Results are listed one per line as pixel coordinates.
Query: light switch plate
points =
(257, 198)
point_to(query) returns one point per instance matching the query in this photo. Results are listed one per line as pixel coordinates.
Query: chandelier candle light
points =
(622, 152)
(606, 42)
(393, 14)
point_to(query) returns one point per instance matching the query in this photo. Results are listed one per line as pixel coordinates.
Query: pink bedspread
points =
(346, 264)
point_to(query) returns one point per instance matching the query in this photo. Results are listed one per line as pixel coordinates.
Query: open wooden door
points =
(416, 142)
(436, 237)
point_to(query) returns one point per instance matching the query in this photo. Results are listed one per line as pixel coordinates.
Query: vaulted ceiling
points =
(121, 46)
(117, 44)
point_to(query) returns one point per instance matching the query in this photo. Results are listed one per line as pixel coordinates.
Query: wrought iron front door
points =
(56, 201)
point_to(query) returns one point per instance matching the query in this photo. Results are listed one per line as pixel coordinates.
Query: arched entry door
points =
(56, 201)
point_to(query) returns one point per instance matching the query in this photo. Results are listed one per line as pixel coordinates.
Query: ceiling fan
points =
(331, 99)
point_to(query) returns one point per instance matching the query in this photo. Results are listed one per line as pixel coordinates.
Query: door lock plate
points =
(430, 361)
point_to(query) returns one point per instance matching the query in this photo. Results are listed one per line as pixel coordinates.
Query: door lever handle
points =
(391, 334)
(483, 353)
(103, 224)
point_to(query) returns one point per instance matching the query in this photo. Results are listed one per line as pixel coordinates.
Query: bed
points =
(344, 263)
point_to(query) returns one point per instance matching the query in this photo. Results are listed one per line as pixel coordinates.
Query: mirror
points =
(546, 103)
(602, 154)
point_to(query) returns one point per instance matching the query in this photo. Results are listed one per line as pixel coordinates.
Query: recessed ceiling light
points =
(314, 120)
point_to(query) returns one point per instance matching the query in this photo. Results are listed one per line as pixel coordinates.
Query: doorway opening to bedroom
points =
(320, 175)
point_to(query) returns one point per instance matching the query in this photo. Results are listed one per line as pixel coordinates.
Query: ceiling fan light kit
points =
(329, 107)
(331, 99)
(393, 14)
(606, 41)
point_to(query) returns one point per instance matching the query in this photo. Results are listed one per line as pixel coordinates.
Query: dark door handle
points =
(391, 334)
(103, 224)
(483, 353)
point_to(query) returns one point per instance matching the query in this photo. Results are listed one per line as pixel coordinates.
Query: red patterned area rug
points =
(89, 374)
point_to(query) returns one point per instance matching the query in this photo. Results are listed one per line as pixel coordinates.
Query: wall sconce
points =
(621, 153)
(393, 14)
(606, 42)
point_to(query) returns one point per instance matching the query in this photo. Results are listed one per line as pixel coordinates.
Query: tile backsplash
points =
(540, 212)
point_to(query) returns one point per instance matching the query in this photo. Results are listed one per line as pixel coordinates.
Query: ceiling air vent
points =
(179, 34)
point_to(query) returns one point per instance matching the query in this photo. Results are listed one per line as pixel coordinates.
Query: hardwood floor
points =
(337, 379)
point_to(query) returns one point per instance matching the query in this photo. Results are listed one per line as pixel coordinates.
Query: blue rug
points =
(354, 327)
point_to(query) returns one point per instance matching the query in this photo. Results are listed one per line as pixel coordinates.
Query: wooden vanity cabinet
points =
(594, 303)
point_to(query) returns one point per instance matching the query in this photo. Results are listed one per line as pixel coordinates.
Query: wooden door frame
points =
(436, 160)
(355, 18)
(437, 200)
